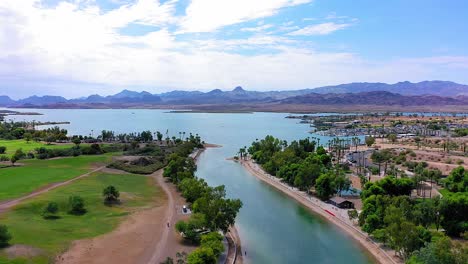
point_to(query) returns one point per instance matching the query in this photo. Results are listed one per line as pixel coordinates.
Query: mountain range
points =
(402, 93)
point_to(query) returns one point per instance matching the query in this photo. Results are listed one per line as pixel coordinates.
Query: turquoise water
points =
(273, 228)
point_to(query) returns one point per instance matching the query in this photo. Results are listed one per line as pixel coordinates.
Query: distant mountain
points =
(123, 97)
(402, 93)
(6, 100)
(441, 88)
(42, 100)
(374, 98)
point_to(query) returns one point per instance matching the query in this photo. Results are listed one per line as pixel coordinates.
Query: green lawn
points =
(13, 145)
(20, 180)
(54, 236)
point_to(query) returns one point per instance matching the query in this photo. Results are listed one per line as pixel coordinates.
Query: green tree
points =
(454, 209)
(5, 236)
(202, 255)
(220, 213)
(213, 240)
(404, 236)
(325, 186)
(77, 142)
(27, 136)
(370, 141)
(457, 181)
(191, 228)
(2, 149)
(192, 188)
(13, 159)
(159, 135)
(392, 137)
(76, 205)
(111, 194)
(441, 251)
(50, 211)
(353, 214)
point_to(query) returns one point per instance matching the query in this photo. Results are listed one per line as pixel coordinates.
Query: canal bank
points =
(326, 211)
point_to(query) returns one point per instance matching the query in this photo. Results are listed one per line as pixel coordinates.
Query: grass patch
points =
(13, 145)
(21, 180)
(54, 236)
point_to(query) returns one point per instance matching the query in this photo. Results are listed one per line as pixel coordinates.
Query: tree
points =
(27, 136)
(50, 211)
(146, 136)
(454, 209)
(353, 214)
(213, 240)
(2, 149)
(76, 205)
(341, 182)
(191, 229)
(159, 135)
(392, 137)
(13, 159)
(5, 236)
(77, 142)
(19, 154)
(325, 186)
(457, 181)
(192, 188)
(441, 251)
(370, 141)
(111, 195)
(404, 236)
(202, 255)
(220, 212)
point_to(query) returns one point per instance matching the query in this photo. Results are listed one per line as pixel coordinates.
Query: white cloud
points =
(320, 29)
(257, 29)
(210, 15)
(77, 50)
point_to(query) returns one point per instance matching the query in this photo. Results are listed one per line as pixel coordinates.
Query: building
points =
(341, 202)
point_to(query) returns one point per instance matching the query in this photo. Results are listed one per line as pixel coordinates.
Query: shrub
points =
(2, 149)
(50, 211)
(111, 195)
(4, 158)
(5, 236)
(77, 205)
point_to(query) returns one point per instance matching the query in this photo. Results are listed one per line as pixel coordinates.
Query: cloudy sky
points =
(81, 47)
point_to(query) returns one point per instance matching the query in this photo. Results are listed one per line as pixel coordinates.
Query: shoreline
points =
(232, 235)
(373, 249)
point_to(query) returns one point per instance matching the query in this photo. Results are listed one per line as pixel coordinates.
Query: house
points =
(341, 202)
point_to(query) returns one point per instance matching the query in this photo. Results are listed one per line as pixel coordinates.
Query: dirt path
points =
(4, 206)
(159, 252)
(380, 255)
(138, 236)
(142, 238)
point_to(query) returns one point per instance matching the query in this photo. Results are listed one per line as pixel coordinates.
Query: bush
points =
(111, 195)
(94, 149)
(5, 236)
(2, 149)
(77, 205)
(50, 211)
(4, 158)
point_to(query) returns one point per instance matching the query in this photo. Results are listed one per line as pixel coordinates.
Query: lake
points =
(273, 227)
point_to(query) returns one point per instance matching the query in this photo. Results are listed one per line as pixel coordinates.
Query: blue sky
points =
(81, 47)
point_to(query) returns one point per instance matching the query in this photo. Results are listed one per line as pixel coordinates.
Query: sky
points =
(76, 48)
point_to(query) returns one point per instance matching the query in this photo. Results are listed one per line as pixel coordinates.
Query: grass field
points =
(13, 145)
(54, 236)
(21, 180)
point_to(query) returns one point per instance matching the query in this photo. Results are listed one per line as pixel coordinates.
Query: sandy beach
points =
(334, 215)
